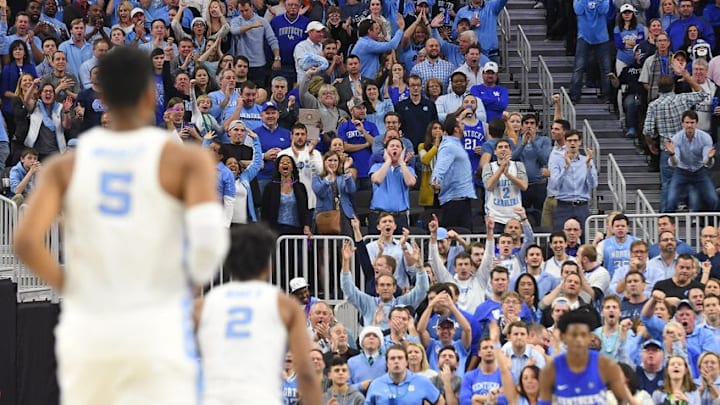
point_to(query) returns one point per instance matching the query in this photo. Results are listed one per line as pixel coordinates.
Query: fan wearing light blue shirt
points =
(446, 327)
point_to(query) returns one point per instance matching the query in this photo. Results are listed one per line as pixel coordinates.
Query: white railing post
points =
(590, 141)
(567, 109)
(616, 183)
(504, 26)
(646, 227)
(547, 87)
(525, 53)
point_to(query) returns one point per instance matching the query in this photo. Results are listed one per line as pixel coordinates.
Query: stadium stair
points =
(604, 122)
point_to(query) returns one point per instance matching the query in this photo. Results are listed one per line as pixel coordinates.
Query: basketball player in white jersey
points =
(142, 223)
(246, 326)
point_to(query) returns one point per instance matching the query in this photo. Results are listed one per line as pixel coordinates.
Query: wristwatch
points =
(277, 58)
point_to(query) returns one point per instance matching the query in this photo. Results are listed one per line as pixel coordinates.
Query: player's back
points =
(123, 232)
(242, 339)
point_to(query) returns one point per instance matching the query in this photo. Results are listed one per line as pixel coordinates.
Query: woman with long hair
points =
(198, 27)
(527, 391)
(692, 34)
(26, 86)
(396, 85)
(417, 360)
(346, 161)
(678, 386)
(48, 122)
(709, 367)
(334, 188)
(428, 156)
(668, 13)
(376, 106)
(527, 287)
(376, 14)
(19, 64)
(203, 81)
(217, 26)
(122, 18)
(627, 34)
(244, 208)
(433, 89)
(285, 201)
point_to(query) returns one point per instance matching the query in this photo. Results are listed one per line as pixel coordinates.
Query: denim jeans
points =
(696, 186)
(666, 175)
(582, 56)
(631, 105)
(4, 153)
(563, 212)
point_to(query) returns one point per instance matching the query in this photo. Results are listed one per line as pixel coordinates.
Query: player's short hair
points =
(136, 71)
(251, 247)
(574, 317)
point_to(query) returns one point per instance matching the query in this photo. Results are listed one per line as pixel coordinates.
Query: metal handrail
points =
(547, 86)
(645, 226)
(616, 183)
(590, 141)
(687, 226)
(504, 25)
(567, 109)
(525, 52)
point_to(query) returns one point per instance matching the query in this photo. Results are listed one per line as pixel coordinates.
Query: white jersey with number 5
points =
(243, 342)
(126, 298)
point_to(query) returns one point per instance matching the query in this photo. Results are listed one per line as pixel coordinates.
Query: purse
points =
(328, 222)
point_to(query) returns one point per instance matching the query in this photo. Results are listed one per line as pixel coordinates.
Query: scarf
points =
(47, 118)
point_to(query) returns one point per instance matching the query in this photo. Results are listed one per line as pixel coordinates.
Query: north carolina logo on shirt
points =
(411, 388)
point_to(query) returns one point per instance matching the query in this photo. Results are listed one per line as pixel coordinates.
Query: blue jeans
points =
(563, 212)
(4, 153)
(631, 105)
(666, 175)
(582, 55)
(696, 186)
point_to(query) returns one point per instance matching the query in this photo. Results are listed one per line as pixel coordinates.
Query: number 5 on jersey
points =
(115, 193)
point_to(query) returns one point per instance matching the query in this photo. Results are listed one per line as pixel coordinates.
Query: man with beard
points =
(662, 266)
(494, 97)
(358, 134)
(336, 66)
(433, 65)
(612, 332)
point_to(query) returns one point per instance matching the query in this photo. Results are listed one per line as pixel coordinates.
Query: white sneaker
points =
(538, 5)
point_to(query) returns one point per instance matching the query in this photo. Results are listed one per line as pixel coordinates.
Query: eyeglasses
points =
(667, 240)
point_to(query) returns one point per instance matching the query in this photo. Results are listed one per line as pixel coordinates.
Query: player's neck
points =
(124, 120)
(577, 361)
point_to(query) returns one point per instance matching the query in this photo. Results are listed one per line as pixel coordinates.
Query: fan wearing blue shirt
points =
(482, 384)
(358, 134)
(401, 387)
(446, 332)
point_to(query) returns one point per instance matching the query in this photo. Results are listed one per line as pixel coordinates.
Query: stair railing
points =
(589, 140)
(567, 109)
(617, 184)
(645, 227)
(547, 87)
(525, 52)
(504, 25)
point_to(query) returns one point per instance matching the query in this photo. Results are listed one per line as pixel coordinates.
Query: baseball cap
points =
(652, 342)
(370, 330)
(445, 320)
(297, 283)
(198, 20)
(686, 303)
(560, 300)
(491, 66)
(268, 104)
(135, 11)
(314, 26)
(355, 102)
(627, 7)
(442, 233)
(423, 2)
(72, 143)
(236, 123)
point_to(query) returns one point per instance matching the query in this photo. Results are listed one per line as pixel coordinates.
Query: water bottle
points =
(446, 20)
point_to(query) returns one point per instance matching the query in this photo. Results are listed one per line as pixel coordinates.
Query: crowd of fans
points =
(306, 105)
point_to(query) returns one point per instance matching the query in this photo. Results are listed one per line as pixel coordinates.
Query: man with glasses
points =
(638, 263)
(574, 177)
(573, 231)
(667, 223)
(416, 112)
(709, 252)
(663, 265)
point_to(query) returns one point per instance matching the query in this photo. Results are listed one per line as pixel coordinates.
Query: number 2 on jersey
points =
(115, 193)
(239, 320)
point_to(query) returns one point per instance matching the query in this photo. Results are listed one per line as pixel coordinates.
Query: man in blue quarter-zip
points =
(592, 38)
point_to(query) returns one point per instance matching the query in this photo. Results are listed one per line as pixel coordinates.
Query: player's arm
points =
(299, 341)
(208, 239)
(612, 375)
(547, 380)
(43, 207)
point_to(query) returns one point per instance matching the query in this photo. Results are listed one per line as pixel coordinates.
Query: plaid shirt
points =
(441, 70)
(664, 115)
